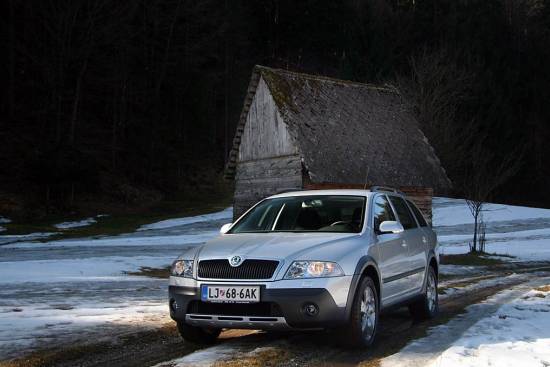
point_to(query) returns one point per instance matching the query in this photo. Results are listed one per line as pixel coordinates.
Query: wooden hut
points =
(308, 131)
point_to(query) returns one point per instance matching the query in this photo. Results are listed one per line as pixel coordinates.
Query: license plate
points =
(230, 294)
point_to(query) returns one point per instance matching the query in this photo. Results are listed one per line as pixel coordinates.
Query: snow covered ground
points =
(61, 291)
(511, 328)
(5, 239)
(511, 230)
(518, 334)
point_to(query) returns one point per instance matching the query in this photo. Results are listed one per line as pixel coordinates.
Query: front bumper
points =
(282, 305)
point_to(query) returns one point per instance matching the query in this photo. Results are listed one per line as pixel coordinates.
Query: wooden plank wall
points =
(265, 134)
(420, 196)
(260, 178)
(268, 160)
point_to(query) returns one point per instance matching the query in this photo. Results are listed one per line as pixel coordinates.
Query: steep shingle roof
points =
(344, 129)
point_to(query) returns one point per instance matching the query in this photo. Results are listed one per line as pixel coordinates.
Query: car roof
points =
(346, 192)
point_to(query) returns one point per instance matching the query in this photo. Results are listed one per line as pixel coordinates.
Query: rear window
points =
(403, 212)
(417, 214)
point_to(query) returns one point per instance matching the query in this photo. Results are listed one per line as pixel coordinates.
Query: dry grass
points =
(146, 271)
(137, 349)
(544, 288)
(55, 356)
(472, 259)
(268, 356)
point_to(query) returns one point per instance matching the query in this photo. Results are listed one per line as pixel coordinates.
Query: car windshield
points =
(316, 213)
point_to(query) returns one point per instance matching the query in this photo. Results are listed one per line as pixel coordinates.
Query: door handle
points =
(404, 244)
(424, 239)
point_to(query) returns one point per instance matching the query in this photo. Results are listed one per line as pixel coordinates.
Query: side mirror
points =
(225, 228)
(391, 226)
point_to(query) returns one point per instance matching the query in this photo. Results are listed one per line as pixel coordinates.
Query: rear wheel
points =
(361, 330)
(427, 307)
(197, 335)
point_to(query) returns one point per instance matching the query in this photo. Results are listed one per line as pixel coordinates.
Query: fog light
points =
(310, 309)
(173, 305)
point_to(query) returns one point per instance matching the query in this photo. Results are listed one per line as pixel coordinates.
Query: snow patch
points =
(70, 270)
(514, 323)
(176, 222)
(5, 239)
(516, 335)
(204, 357)
(4, 220)
(76, 224)
(461, 269)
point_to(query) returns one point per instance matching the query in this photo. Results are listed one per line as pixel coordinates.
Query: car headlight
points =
(313, 269)
(182, 268)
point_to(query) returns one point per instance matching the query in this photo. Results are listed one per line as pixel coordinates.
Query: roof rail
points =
(386, 188)
(284, 191)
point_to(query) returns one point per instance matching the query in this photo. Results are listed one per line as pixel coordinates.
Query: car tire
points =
(198, 335)
(427, 307)
(363, 323)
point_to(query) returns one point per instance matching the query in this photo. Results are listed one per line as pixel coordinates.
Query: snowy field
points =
(511, 230)
(64, 291)
(59, 291)
(510, 329)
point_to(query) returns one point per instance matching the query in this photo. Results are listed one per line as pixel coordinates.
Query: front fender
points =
(363, 263)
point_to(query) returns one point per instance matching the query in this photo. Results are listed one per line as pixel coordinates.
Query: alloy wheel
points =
(368, 313)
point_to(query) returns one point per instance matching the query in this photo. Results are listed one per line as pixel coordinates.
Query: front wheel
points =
(197, 335)
(361, 330)
(427, 307)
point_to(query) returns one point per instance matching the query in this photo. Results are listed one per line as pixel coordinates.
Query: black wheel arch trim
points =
(363, 263)
(431, 256)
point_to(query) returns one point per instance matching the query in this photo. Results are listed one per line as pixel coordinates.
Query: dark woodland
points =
(135, 101)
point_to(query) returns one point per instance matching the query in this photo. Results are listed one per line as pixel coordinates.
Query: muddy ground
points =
(249, 348)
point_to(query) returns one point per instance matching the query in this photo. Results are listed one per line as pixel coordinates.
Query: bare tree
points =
(436, 88)
(485, 172)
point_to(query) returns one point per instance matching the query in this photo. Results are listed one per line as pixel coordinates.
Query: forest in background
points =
(132, 102)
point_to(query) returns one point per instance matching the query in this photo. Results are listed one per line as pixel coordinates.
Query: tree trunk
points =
(475, 231)
(226, 94)
(76, 101)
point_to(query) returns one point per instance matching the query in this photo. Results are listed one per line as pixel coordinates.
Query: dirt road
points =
(249, 348)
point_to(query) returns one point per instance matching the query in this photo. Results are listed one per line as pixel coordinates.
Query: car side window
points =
(403, 212)
(417, 214)
(382, 211)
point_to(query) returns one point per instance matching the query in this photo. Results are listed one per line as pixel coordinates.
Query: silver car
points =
(322, 259)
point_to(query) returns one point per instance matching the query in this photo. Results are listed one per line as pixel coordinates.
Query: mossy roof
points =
(347, 130)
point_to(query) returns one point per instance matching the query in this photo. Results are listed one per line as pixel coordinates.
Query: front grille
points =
(249, 269)
(260, 309)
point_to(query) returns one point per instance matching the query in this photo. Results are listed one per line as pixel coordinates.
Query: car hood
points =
(277, 245)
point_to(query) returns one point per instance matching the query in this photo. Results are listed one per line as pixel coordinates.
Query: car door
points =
(412, 236)
(419, 254)
(393, 255)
